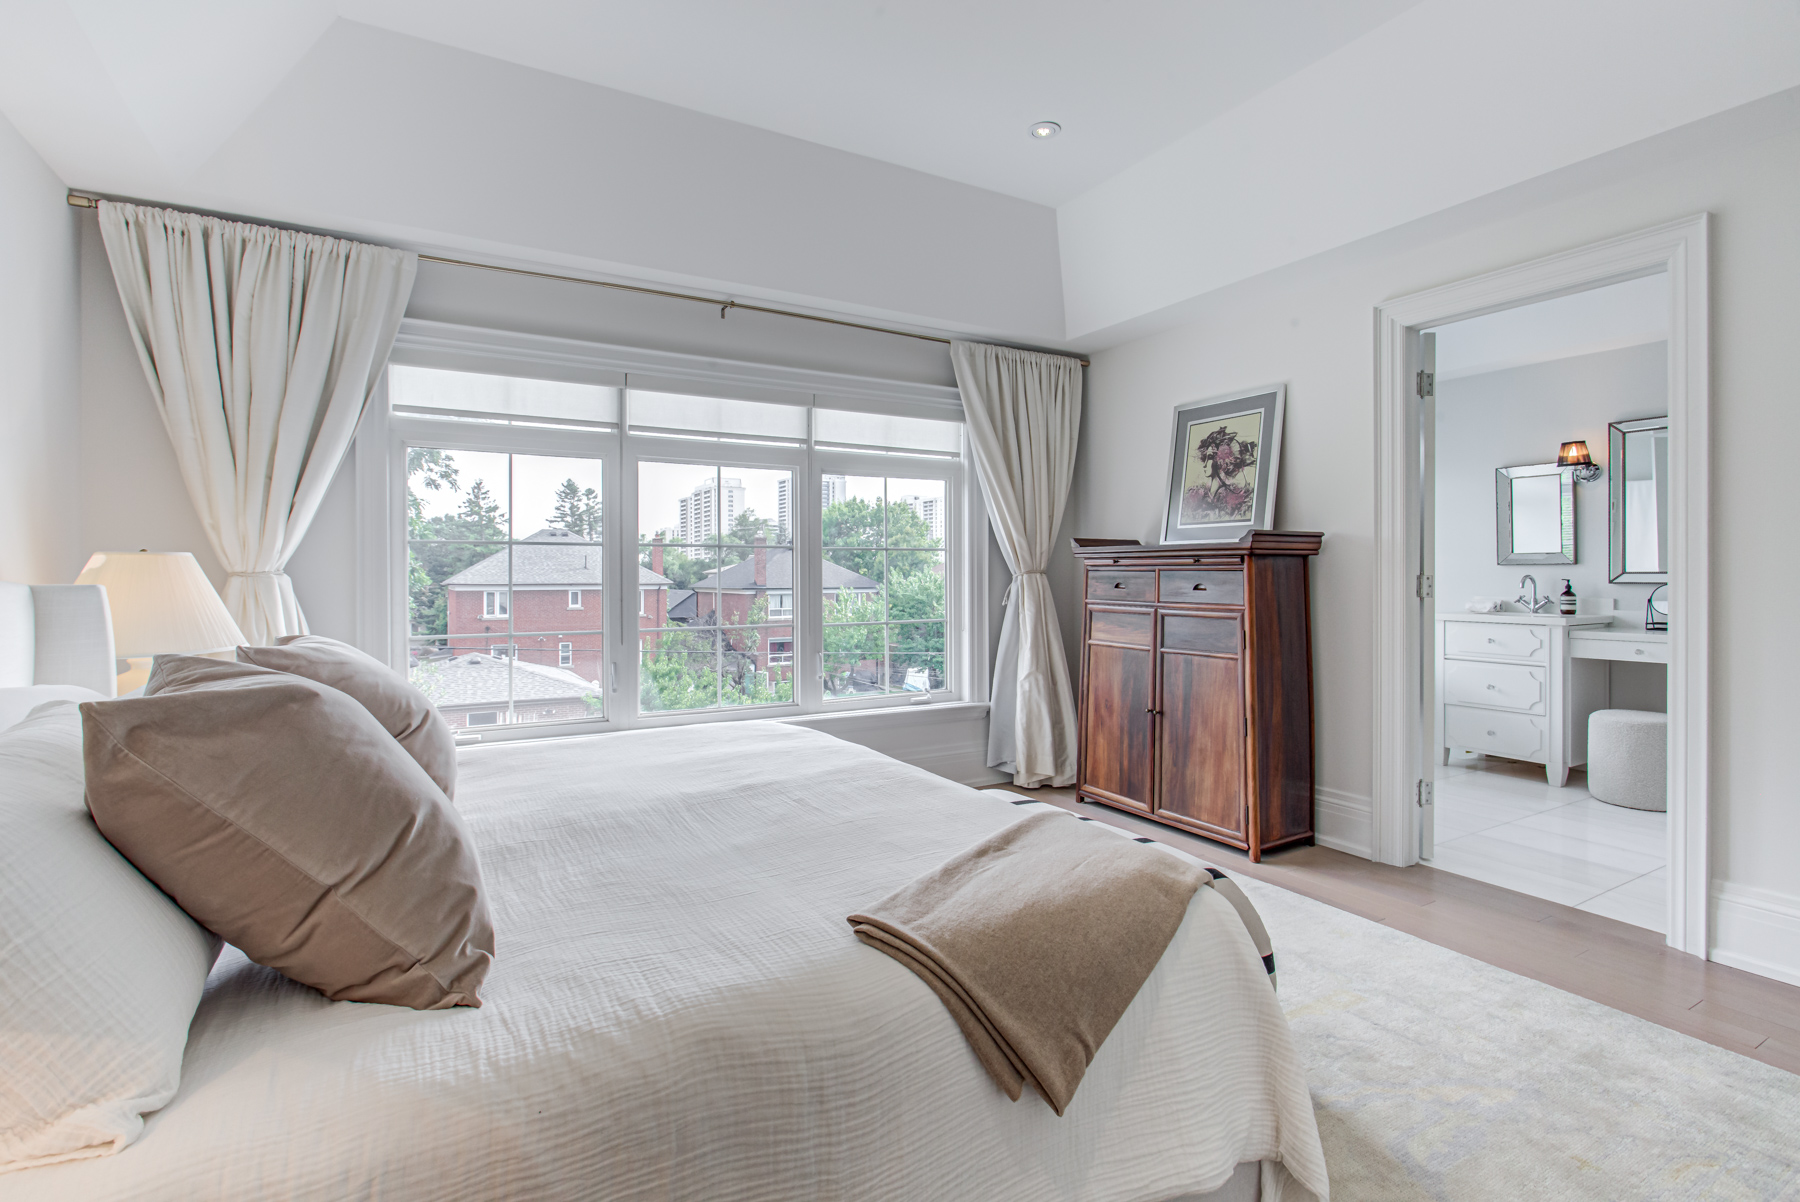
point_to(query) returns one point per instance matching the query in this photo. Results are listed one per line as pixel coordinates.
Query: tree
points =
(855, 530)
(444, 545)
(577, 510)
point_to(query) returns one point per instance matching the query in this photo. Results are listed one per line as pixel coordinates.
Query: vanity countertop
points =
(1523, 619)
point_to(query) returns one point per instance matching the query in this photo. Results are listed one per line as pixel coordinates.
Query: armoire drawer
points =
(1495, 640)
(1521, 687)
(1201, 588)
(1121, 586)
(1516, 736)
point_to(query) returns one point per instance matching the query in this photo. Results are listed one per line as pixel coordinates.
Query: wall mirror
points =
(1639, 488)
(1534, 512)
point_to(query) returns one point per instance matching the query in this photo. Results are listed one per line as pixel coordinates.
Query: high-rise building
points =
(784, 508)
(832, 489)
(930, 511)
(710, 509)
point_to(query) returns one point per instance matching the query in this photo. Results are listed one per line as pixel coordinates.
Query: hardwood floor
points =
(1610, 962)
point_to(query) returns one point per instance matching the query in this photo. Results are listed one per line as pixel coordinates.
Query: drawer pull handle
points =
(1637, 651)
(1492, 687)
(1118, 584)
(1201, 588)
(1490, 734)
(1490, 640)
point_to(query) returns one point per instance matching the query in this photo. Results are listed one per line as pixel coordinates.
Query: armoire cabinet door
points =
(1116, 750)
(1200, 743)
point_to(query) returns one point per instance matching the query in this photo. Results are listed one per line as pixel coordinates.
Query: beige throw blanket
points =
(1037, 938)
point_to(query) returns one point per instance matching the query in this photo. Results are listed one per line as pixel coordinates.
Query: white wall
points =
(1311, 326)
(1522, 415)
(39, 369)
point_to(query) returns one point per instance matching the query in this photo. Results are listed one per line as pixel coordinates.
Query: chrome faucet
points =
(1534, 605)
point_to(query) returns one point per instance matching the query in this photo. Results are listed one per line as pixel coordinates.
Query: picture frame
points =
(1224, 465)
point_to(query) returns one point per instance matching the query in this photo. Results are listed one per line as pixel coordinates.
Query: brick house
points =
(553, 605)
(766, 574)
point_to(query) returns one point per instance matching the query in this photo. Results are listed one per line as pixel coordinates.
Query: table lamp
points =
(162, 604)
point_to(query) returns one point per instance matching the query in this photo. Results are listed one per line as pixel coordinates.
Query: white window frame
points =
(495, 603)
(381, 488)
(574, 598)
(565, 655)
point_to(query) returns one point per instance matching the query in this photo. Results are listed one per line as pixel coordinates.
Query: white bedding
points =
(678, 1010)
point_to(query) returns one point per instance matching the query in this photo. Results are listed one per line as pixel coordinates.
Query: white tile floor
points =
(1500, 821)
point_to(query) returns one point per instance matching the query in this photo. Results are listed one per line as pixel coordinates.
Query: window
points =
(717, 538)
(753, 598)
(500, 548)
(883, 573)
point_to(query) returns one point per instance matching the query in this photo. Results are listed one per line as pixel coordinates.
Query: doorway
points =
(1540, 418)
(1406, 740)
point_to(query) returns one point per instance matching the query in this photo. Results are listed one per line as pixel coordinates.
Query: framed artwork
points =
(1226, 457)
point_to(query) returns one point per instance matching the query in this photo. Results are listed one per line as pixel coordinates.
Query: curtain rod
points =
(84, 201)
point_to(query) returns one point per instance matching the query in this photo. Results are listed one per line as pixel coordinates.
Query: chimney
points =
(656, 550)
(762, 561)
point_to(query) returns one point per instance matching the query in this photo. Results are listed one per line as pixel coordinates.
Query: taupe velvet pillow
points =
(392, 698)
(280, 814)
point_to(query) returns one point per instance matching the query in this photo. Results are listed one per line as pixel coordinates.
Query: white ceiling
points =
(947, 87)
(1582, 323)
(870, 157)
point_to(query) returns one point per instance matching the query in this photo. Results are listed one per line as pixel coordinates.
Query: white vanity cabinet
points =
(1514, 685)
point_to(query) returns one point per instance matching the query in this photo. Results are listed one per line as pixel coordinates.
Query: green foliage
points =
(855, 531)
(704, 666)
(678, 565)
(577, 510)
(433, 562)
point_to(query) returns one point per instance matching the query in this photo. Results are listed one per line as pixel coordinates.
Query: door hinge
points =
(1425, 384)
(1422, 586)
(1422, 793)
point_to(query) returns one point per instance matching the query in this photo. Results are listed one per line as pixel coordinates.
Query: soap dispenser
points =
(1565, 603)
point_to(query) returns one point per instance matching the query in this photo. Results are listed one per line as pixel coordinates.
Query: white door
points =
(1431, 740)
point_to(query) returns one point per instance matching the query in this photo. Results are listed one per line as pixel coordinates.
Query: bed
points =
(678, 1010)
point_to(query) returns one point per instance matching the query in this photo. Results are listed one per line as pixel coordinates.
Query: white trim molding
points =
(1680, 249)
(1757, 930)
(1344, 822)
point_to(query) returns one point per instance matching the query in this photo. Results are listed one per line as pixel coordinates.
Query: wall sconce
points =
(1575, 455)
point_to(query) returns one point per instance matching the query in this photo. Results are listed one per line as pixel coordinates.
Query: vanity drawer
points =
(1202, 588)
(1516, 736)
(1121, 586)
(1639, 651)
(1495, 640)
(1503, 686)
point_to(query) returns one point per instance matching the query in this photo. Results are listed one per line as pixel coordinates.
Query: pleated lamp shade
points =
(162, 604)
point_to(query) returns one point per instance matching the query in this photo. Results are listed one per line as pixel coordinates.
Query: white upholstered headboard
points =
(56, 634)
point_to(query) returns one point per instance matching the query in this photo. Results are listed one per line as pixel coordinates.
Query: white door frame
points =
(1679, 248)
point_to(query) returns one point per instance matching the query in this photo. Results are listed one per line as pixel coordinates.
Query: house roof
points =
(551, 557)
(683, 607)
(481, 679)
(780, 575)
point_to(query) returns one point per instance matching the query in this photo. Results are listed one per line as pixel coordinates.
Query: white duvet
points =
(678, 1010)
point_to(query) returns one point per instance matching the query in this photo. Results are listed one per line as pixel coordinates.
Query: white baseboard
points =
(1757, 930)
(1344, 822)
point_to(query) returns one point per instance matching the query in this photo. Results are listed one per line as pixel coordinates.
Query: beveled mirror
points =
(1639, 494)
(1534, 512)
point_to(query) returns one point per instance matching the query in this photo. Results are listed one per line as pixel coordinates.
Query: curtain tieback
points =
(1014, 586)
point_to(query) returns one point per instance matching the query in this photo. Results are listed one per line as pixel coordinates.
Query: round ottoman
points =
(1628, 752)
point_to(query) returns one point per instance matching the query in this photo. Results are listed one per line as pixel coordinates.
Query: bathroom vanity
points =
(1522, 685)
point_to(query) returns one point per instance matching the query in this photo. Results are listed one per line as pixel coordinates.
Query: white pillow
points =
(99, 971)
(15, 703)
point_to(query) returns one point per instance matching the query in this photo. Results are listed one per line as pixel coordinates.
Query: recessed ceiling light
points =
(1045, 129)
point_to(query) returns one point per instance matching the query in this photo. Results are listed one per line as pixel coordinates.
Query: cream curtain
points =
(261, 346)
(1024, 416)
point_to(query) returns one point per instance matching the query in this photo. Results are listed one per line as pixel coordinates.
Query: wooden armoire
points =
(1196, 685)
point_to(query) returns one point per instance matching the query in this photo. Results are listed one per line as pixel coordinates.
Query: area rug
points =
(1436, 1076)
